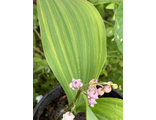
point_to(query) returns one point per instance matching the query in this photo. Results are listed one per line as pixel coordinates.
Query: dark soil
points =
(55, 111)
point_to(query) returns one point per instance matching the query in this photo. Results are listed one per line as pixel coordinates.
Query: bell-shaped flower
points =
(76, 84)
(68, 116)
(91, 102)
(92, 94)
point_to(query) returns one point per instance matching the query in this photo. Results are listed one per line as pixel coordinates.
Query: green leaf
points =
(100, 8)
(74, 41)
(108, 109)
(81, 107)
(105, 72)
(89, 113)
(118, 29)
(111, 6)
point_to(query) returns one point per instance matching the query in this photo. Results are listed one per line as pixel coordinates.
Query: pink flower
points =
(91, 89)
(92, 94)
(91, 102)
(68, 116)
(100, 91)
(76, 84)
(107, 89)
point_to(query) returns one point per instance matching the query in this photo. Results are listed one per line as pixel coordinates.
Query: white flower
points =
(38, 98)
(121, 40)
(68, 116)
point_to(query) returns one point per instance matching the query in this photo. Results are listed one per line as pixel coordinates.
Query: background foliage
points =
(43, 77)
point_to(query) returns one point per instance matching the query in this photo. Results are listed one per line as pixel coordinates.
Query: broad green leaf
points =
(100, 8)
(89, 113)
(74, 41)
(111, 6)
(118, 29)
(108, 109)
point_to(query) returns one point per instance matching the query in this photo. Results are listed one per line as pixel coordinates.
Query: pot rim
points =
(44, 97)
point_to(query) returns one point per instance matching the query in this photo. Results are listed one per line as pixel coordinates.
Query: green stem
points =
(108, 23)
(37, 33)
(77, 95)
(38, 51)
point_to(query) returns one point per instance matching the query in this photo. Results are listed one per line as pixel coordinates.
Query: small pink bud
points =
(100, 91)
(107, 89)
(68, 116)
(76, 84)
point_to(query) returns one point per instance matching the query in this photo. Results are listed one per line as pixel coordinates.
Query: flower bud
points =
(115, 86)
(107, 89)
(100, 91)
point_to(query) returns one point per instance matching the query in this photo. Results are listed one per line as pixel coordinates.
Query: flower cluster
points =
(92, 93)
